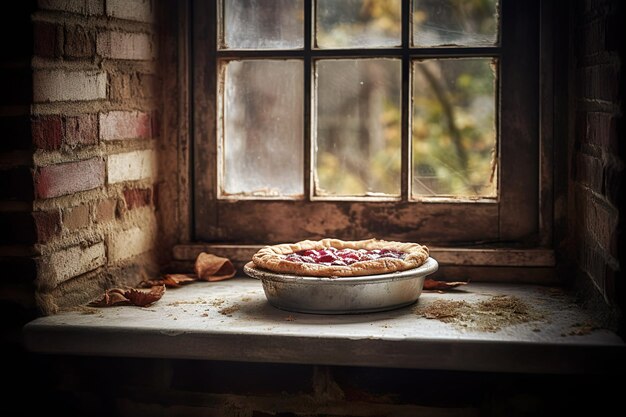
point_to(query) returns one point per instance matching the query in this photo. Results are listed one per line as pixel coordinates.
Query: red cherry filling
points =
(334, 256)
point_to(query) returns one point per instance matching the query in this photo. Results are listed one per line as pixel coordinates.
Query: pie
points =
(338, 258)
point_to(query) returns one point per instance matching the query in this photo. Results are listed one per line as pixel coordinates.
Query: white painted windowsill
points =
(232, 321)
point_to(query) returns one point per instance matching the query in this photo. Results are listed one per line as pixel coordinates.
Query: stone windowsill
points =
(232, 321)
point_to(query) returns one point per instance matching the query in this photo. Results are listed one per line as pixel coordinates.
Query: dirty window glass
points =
(348, 110)
(262, 24)
(262, 128)
(455, 23)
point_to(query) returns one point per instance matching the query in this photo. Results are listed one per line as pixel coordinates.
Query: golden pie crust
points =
(273, 258)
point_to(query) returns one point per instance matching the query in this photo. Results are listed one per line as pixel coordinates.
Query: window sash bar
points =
(351, 53)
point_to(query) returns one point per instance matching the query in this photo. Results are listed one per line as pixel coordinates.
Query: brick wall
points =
(597, 159)
(79, 174)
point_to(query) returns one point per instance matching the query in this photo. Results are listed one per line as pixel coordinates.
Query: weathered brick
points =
(81, 130)
(124, 125)
(68, 178)
(613, 177)
(591, 261)
(128, 243)
(17, 228)
(124, 86)
(75, 218)
(589, 171)
(104, 210)
(16, 184)
(47, 224)
(139, 10)
(155, 117)
(145, 85)
(62, 85)
(16, 132)
(137, 197)
(599, 82)
(599, 220)
(130, 166)
(80, 42)
(120, 87)
(84, 7)
(124, 45)
(47, 132)
(68, 263)
(47, 39)
(600, 130)
(591, 38)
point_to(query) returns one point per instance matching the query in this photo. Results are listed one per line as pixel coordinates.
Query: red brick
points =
(137, 197)
(47, 132)
(62, 179)
(105, 210)
(75, 218)
(46, 39)
(81, 130)
(79, 42)
(47, 224)
(117, 125)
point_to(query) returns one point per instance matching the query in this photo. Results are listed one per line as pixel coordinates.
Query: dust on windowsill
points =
(488, 315)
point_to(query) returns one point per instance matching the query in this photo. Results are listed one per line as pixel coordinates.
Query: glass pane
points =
(455, 22)
(454, 127)
(357, 23)
(263, 24)
(263, 128)
(358, 127)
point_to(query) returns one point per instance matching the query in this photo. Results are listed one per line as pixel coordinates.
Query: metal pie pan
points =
(345, 295)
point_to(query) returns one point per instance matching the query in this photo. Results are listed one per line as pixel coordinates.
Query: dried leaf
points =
(434, 285)
(145, 298)
(169, 280)
(209, 267)
(121, 297)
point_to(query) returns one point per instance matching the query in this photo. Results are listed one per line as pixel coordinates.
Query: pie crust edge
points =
(270, 258)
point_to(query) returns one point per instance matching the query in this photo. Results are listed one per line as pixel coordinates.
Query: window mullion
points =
(405, 168)
(308, 95)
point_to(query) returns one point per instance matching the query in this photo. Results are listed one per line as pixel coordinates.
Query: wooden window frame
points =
(522, 217)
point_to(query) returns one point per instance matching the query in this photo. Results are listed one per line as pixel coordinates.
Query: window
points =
(407, 120)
